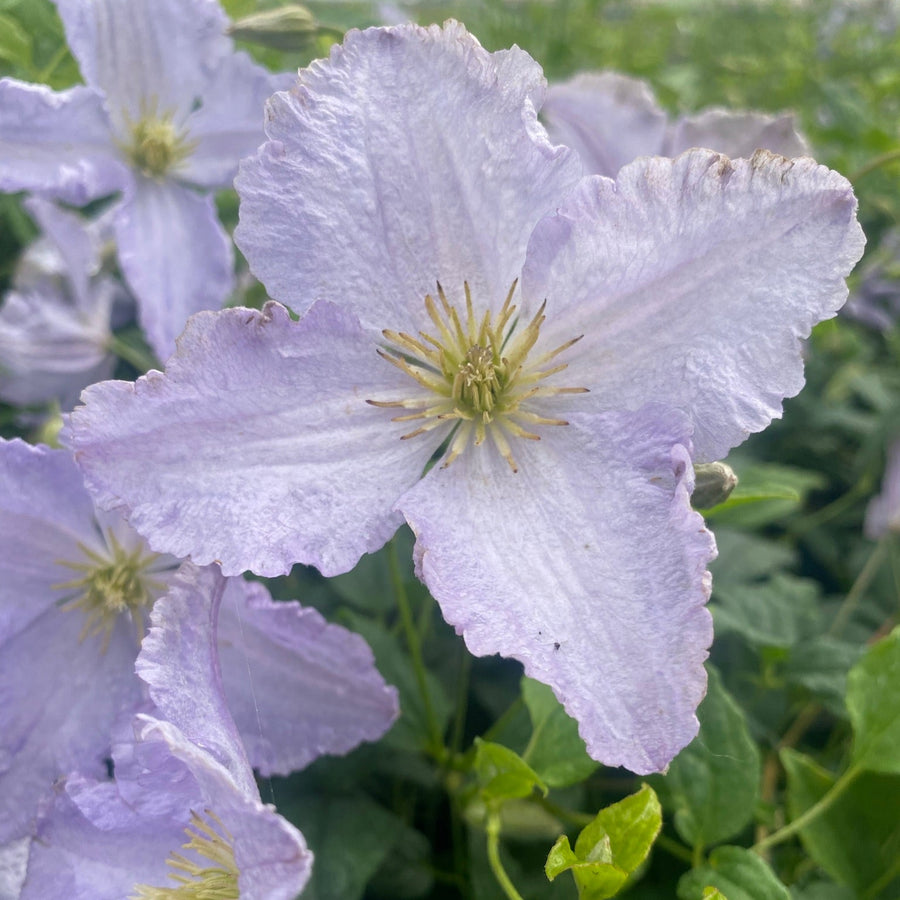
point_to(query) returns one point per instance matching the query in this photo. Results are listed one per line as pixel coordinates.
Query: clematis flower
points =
(883, 514)
(56, 323)
(76, 589)
(561, 347)
(611, 119)
(184, 817)
(167, 111)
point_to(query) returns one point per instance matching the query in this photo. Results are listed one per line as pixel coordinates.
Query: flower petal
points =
(297, 686)
(45, 513)
(57, 143)
(180, 664)
(176, 256)
(256, 448)
(54, 720)
(693, 281)
(588, 565)
(229, 124)
(610, 119)
(411, 155)
(736, 134)
(140, 52)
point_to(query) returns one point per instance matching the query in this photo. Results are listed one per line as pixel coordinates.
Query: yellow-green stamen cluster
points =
(110, 586)
(473, 377)
(155, 146)
(197, 882)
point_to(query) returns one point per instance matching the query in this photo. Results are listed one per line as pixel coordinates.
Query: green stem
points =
(560, 812)
(674, 848)
(863, 580)
(811, 814)
(462, 697)
(493, 851)
(874, 164)
(436, 740)
(142, 361)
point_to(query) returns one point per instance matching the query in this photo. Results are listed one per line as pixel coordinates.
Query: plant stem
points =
(493, 851)
(863, 580)
(811, 814)
(436, 740)
(674, 848)
(874, 164)
(142, 361)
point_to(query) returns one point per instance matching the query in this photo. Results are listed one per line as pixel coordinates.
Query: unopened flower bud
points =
(289, 27)
(714, 483)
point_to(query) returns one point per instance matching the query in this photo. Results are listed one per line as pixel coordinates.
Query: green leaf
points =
(15, 43)
(556, 751)
(350, 836)
(712, 893)
(821, 666)
(735, 872)
(610, 849)
(714, 782)
(503, 774)
(856, 840)
(775, 613)
(873, 701)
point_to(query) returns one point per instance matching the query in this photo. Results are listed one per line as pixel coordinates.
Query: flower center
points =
(478, 375)
(155, 145)
(111, 586)
(198, 882)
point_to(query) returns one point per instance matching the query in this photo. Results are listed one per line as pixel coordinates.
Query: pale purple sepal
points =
(296, 685)
(589, 566)
(266, 449)
(112, 837)
(13, 862)
(61, 689)
(608, 118)
(694, 281)
(56, 323)
(175, 254)
(432, 167)
(883, 514)
(611, 119)
(57, 143)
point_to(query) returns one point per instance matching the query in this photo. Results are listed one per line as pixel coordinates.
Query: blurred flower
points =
(76, 590)
(184, 775)
(876, 300)
(612, 119)
(470, 289)
(55, 323)
(883, 514)
(168, 110)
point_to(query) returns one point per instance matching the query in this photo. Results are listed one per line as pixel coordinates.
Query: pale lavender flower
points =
(184, 816)
(883, 514)
(459, 265)
(56, 322)
(875, 301)
(76, 588)
(167, 111)
(612, 119)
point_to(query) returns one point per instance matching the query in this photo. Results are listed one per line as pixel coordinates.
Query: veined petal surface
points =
(296, 685)
(693, 281)
(256, 448)
(176, 256)
(411, 155)
(610, 119)
(589, 566)
(58, 143)
(145, 52)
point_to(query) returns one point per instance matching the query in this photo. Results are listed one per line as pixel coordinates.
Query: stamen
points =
(482, 386)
